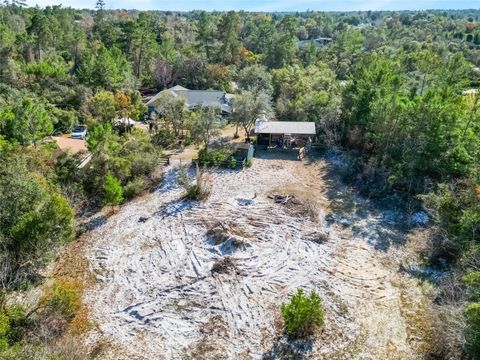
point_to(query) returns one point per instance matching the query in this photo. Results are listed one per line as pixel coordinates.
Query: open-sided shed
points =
(284, 134)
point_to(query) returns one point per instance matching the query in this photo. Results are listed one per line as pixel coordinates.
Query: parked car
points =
(79, 132)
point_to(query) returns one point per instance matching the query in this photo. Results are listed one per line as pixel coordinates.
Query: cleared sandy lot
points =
(156, 296)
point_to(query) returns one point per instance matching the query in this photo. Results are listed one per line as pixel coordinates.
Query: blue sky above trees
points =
(270, 5)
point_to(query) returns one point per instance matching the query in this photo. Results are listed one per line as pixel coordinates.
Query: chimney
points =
(262, 116)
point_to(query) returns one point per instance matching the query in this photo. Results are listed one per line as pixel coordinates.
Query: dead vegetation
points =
(225, 265)
(69, 348)
(207, 348)
(219, 233)
(318, 236)
(433, 330)
(297, 206)
(298, 201)
(64, 299)
(436, 327)
(223, 232)
(202, 187)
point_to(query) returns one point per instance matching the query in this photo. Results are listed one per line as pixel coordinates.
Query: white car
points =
(79, 132)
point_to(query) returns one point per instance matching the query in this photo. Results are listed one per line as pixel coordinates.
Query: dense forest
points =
(394, 90)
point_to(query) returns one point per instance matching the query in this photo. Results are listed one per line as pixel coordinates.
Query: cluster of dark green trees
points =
(389, 88)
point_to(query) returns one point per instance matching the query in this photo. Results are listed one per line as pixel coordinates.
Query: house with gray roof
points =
(196, 98)
(319, 43)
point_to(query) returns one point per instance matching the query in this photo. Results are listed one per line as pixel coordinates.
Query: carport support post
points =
(269, 140)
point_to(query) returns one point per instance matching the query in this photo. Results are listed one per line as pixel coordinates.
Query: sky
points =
(268, 5)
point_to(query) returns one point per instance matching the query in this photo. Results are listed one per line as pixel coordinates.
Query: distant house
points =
(470, 92)
(195, 98)
(319, 43)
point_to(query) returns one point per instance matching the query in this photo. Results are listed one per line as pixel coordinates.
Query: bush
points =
(303, 315)
(164, 138)
(473, 329)
(34, 218)
(113, 193)
(12, 325)
(133, 188)
(214, 157)
(232, 162)
(198, 191)
(64, 298)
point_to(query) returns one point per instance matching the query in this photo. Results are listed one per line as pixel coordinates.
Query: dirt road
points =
(157, 297)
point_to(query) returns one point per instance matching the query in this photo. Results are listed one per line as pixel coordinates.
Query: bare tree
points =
(248, 107)
(207, 124)
(163, 74)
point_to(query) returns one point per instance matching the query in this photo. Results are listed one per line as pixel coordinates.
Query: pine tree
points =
(113, 195)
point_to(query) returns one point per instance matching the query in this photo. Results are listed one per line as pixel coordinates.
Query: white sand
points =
(156, 297)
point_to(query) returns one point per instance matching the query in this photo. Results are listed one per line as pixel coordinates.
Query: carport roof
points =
(284, 127)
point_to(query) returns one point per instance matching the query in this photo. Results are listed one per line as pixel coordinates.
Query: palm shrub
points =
(303, 315)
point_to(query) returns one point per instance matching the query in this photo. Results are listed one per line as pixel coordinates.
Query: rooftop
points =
(197, 97)
(284, 127)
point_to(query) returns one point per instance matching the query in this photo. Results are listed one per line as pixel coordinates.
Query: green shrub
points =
(4, 331)
(34, 217)
(472, 313)
(193, 193)
(214, 157)
(12, 324)
(64, 298)
(303, 315)
(164, 138)
(133, 188)
(113, 193)
(232, 162)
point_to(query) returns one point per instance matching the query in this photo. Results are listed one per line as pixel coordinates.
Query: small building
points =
(243, 151)
(285, 134)
(292, 134)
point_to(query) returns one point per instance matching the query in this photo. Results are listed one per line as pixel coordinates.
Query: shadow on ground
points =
(284, 349)
(95, 223)
(173, 208)
(277, 154)
(381, 222)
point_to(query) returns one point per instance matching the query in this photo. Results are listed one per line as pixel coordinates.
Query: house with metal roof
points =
(196, 98)
(284, 127)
